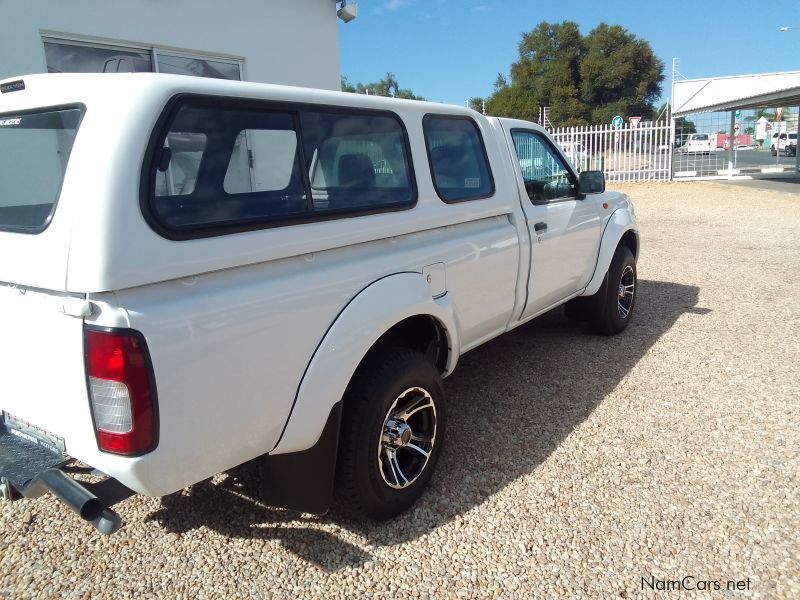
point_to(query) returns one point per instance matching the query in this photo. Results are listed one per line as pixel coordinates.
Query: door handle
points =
(540, 227)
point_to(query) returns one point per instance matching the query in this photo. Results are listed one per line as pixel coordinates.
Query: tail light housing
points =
(121, 391)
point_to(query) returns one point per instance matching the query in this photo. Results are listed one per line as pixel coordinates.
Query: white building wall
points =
(293, 42)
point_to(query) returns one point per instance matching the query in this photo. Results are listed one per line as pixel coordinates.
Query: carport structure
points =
(740, 92)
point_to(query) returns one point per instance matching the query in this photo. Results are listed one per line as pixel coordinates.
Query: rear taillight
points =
(121, 391)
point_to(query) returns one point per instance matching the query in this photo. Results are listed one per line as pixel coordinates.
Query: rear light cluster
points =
(121, 391)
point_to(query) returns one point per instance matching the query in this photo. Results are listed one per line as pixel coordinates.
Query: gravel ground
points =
(576, 465)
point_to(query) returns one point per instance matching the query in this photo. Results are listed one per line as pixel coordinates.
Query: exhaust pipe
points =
(72, 493)
(88, 506)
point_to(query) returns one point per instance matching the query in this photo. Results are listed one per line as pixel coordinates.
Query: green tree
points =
(346, 85)
(581, 78)
(387, 86)
(767, 113)
(684, 127)
(620, 74)
(476, 103)
(549, 62)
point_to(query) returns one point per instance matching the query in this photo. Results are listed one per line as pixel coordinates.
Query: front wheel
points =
(392, 434)
(615, 306)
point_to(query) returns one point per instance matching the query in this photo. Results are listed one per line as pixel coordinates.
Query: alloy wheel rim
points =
(407, 438)
(627, 289)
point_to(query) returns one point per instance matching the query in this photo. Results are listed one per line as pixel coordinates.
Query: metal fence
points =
(630, 153)
(763, 146)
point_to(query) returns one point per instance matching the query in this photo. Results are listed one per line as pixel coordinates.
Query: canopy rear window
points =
(225, 166)
(35, 148)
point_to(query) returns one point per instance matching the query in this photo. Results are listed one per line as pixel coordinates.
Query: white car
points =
(577, 153)
(698, 143)
(199, 272)
(784, 142)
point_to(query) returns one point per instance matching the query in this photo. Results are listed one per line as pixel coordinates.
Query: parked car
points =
(577, 153)
(699, 143)
(199, 272)
(784, 142)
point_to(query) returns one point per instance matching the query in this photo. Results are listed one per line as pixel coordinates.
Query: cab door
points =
(564, 226)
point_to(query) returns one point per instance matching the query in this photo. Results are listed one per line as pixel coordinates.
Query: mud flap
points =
(304, 480)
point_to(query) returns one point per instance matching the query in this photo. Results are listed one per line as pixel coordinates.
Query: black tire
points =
(364, 482)
(774, 151)
(609, 318)
(787, 151)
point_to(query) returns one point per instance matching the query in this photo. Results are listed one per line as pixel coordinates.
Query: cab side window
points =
(544, 172)
(457, 156)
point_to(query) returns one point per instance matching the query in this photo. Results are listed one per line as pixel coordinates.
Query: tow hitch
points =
(6, 492)
(32, 466)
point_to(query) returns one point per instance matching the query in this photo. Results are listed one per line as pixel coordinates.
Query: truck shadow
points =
(511, 402)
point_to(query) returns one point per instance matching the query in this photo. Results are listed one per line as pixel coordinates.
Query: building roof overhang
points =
(735, 93)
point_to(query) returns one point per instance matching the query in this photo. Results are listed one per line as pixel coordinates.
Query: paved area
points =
(577, 466)
(748, 162)
(786, 185)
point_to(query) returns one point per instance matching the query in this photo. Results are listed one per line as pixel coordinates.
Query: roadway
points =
(709, 164)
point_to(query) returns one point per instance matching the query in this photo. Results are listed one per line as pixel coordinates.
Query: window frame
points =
(48, 37)
(547, 142)
(41, 109)
(429, 116)
(161, 129)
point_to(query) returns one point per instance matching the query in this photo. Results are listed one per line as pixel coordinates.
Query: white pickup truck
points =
(784, 142)
(196, 273)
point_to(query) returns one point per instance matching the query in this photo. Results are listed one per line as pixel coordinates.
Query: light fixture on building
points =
(348, 10)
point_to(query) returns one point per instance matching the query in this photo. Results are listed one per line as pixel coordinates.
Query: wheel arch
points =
(620, 230)
(630, 239)
(424, 333)
(396, 309)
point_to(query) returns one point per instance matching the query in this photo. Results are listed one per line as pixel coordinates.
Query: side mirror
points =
(591, 182)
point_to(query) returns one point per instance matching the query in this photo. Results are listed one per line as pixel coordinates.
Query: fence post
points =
(796, 153)
(671, 143)
(731, 145)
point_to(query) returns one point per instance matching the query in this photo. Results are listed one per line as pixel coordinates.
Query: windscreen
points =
(34, 151)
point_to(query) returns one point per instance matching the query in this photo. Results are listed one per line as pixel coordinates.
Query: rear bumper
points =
(31, 466)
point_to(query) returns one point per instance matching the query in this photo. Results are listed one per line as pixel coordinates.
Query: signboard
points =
(738, 114)
(617, 122)
(634, 121)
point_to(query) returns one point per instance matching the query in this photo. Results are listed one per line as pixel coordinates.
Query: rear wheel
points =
(392, 434)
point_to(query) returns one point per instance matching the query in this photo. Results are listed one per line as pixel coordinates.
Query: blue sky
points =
(450, 50)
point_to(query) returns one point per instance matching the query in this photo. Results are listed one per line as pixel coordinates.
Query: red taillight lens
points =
(123, 401)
